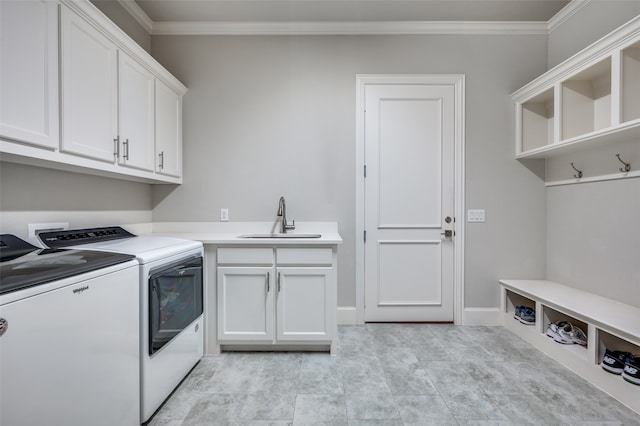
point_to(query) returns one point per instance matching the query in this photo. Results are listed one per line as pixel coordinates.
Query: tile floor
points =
(393, 374)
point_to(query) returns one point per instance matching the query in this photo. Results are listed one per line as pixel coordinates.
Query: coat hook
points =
(627, 166)
(579, 175)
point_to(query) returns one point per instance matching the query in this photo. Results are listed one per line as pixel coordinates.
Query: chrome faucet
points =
(282, 212)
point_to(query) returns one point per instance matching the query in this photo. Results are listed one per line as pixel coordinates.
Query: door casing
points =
(458, 82)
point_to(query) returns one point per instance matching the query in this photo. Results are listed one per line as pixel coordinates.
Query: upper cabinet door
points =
(89, 89)
(29, 72)
(168, 131)
(135, 114)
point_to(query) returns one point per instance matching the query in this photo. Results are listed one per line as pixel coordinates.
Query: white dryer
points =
(171, 303)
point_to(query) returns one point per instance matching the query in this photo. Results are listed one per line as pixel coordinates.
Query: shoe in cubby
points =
(614, 361)
(631, 372)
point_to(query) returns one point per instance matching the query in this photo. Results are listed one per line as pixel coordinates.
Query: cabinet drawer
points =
(304, 256)
(245, 256)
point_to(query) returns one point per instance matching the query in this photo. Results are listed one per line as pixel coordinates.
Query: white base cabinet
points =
(276, 296)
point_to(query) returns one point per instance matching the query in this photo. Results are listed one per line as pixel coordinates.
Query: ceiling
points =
(348, 10)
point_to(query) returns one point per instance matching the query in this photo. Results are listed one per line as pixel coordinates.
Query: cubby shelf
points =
(589, 100)
(608, 324)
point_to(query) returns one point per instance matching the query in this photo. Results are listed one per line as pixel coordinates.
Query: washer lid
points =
(30, 266)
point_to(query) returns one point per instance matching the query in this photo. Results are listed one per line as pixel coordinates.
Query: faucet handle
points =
(292, 225)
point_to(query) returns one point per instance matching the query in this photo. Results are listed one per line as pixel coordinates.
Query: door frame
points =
(458, 82)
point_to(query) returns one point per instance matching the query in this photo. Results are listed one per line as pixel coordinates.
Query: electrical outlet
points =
(475, 216)
(224, 215)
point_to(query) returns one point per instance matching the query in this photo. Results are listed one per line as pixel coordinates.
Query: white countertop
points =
(230, 232)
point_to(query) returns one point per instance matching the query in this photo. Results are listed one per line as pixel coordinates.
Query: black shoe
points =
(631, 372)
(614, 361)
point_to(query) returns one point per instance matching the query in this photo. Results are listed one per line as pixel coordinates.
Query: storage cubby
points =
(550, 316)
(586, 101)
(614, 343)
(514, 299)
(631, 83)
(589, 101)
(538, 121)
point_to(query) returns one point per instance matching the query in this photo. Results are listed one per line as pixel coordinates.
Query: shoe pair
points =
(525, 315)
(566, 333)
(622, 363)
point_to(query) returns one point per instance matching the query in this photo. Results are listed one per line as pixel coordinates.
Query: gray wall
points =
(597, 19)
(271, 116)
(37, 195)
(122, 18)
(593, 229)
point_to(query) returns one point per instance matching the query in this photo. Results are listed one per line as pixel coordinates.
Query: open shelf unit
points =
(592, 98)
(607, 323)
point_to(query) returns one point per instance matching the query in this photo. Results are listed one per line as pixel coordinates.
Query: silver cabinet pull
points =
(125, 144)
(278, 282)
(161, 160)
(268, 279)
(116, 147)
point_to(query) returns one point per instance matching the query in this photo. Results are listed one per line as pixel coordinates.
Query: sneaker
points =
(570, 335)
(631, 372)
(527, 316)
(614, 361)
(552, 329)
(518, 313)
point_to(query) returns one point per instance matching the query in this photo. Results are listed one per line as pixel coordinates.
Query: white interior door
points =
(409, 132)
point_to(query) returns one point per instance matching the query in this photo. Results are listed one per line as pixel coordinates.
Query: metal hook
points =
(579, 175)
(627, 166)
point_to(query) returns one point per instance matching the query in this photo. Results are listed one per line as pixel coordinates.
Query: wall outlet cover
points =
(224, 215)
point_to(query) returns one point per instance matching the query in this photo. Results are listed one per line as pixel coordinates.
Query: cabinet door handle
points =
(268, 279)
(161, 160)
(125, 144)
(278, 282)
(116, 147)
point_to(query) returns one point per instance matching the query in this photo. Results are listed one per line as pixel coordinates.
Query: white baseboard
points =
(481, 316)
(471, 316)
(346, 315)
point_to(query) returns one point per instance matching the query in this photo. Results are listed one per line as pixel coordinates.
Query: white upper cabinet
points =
(590, 100)
(79, 94)
(168, 130)
(89, 89)
(29, 72)
(136, 107)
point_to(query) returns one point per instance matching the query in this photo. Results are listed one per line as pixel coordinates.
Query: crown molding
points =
(566, 13)
(348, 28)
(138, 14)
(353, 28)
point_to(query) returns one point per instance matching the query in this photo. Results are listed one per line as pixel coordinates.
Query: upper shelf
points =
(591, 99)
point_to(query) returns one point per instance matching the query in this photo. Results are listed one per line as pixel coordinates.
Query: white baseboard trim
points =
(346, 315)
(471, 316)
(481, 316)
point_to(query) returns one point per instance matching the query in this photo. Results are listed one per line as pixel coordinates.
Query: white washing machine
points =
(171, 303)
(69, 339)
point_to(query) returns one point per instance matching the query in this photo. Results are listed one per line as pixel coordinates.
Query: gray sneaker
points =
(570, 335)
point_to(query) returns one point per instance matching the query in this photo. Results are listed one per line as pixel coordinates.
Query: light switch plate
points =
(475, 216)
(224, 215)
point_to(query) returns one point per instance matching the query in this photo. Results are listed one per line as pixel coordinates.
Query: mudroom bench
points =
(608, 324)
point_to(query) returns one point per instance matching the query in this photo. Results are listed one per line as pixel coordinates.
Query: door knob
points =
(448, 233)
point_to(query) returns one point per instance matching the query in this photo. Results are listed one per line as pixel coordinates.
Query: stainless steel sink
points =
(280, 235)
